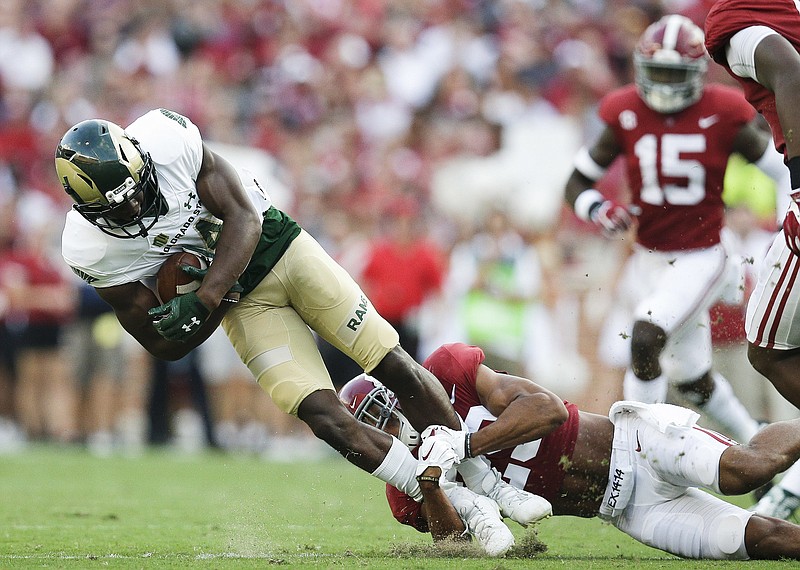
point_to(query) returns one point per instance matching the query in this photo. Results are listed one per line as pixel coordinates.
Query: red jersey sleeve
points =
(405, 509)
(456, 366)
(614, 103)
(454, 360)
(726, 18)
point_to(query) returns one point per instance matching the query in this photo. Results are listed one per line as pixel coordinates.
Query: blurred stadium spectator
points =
(499, 293)
(403, 269)
(95, 352)
(178, 408)
(40, 300)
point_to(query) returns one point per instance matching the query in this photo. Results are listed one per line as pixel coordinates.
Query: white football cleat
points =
(482, 518)
(777, 503)
(518, 505)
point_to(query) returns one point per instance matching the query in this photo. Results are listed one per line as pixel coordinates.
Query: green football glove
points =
(179, 319)
(232, 296)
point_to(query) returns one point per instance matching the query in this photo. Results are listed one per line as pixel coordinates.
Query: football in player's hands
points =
(172, 281)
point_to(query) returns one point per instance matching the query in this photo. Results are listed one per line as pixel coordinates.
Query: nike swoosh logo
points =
(425, 457)
(638, 445)
(705, 122)
(453, 395)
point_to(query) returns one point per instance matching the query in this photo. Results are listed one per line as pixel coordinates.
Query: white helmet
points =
(670, 63)
(374, 404)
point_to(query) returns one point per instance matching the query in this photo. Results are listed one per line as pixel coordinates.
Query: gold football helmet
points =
(111, 179)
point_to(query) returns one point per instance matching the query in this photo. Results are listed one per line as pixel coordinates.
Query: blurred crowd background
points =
(424, 143)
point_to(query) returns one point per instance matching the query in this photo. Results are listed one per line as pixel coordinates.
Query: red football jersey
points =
(394, 293)
(24, 269)
(726, 18)
(537, 466)
(676, 163)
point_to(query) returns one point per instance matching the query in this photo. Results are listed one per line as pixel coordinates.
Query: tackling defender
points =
(641, 470)
(154, 189)
(676, 134)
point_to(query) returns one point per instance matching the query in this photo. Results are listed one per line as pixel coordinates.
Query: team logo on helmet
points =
(112, 181)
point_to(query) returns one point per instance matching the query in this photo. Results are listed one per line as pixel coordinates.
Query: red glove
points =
(791, 227)
(612, 218)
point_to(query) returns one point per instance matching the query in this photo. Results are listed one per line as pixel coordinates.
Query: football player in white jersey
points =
(154, 189)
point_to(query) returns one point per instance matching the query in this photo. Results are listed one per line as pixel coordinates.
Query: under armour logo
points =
(188, 326)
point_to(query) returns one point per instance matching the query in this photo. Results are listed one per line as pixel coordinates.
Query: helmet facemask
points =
(670, 64)
(111, 179)
(373, 404)
(669, 87)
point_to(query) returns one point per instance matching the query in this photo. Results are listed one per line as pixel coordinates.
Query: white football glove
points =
(436, 453)
(611, 218)
(454, 438)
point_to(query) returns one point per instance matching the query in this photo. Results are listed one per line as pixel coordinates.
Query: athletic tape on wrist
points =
(427, 478)
(468, 445)
(586, 202)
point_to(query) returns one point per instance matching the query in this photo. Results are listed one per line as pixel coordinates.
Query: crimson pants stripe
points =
(779, 298)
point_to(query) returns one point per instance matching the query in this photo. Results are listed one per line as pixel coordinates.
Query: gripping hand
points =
(232, 296)
(611, 218)
(454, 438)
(435, 453)
(179, 319)
(791, 226)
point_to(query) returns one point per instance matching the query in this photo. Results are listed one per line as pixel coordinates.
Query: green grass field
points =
(66, 509)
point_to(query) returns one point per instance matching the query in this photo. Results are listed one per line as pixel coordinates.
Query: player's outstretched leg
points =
(421, 396)
(772, 450)
(768, 538)
(366, 447)
(780, 368)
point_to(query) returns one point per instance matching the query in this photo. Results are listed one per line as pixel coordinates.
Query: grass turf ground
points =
(66, 509)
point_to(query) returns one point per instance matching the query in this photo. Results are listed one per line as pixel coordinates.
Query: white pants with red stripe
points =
(660, 457)
(773, 306)
(674, 290)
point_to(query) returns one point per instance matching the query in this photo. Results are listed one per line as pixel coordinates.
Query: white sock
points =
(791, 480)
(648, 391)
(473, 472)
(725, 409)
(399, 469)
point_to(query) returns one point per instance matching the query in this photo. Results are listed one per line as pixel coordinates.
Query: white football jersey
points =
(176, 148)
